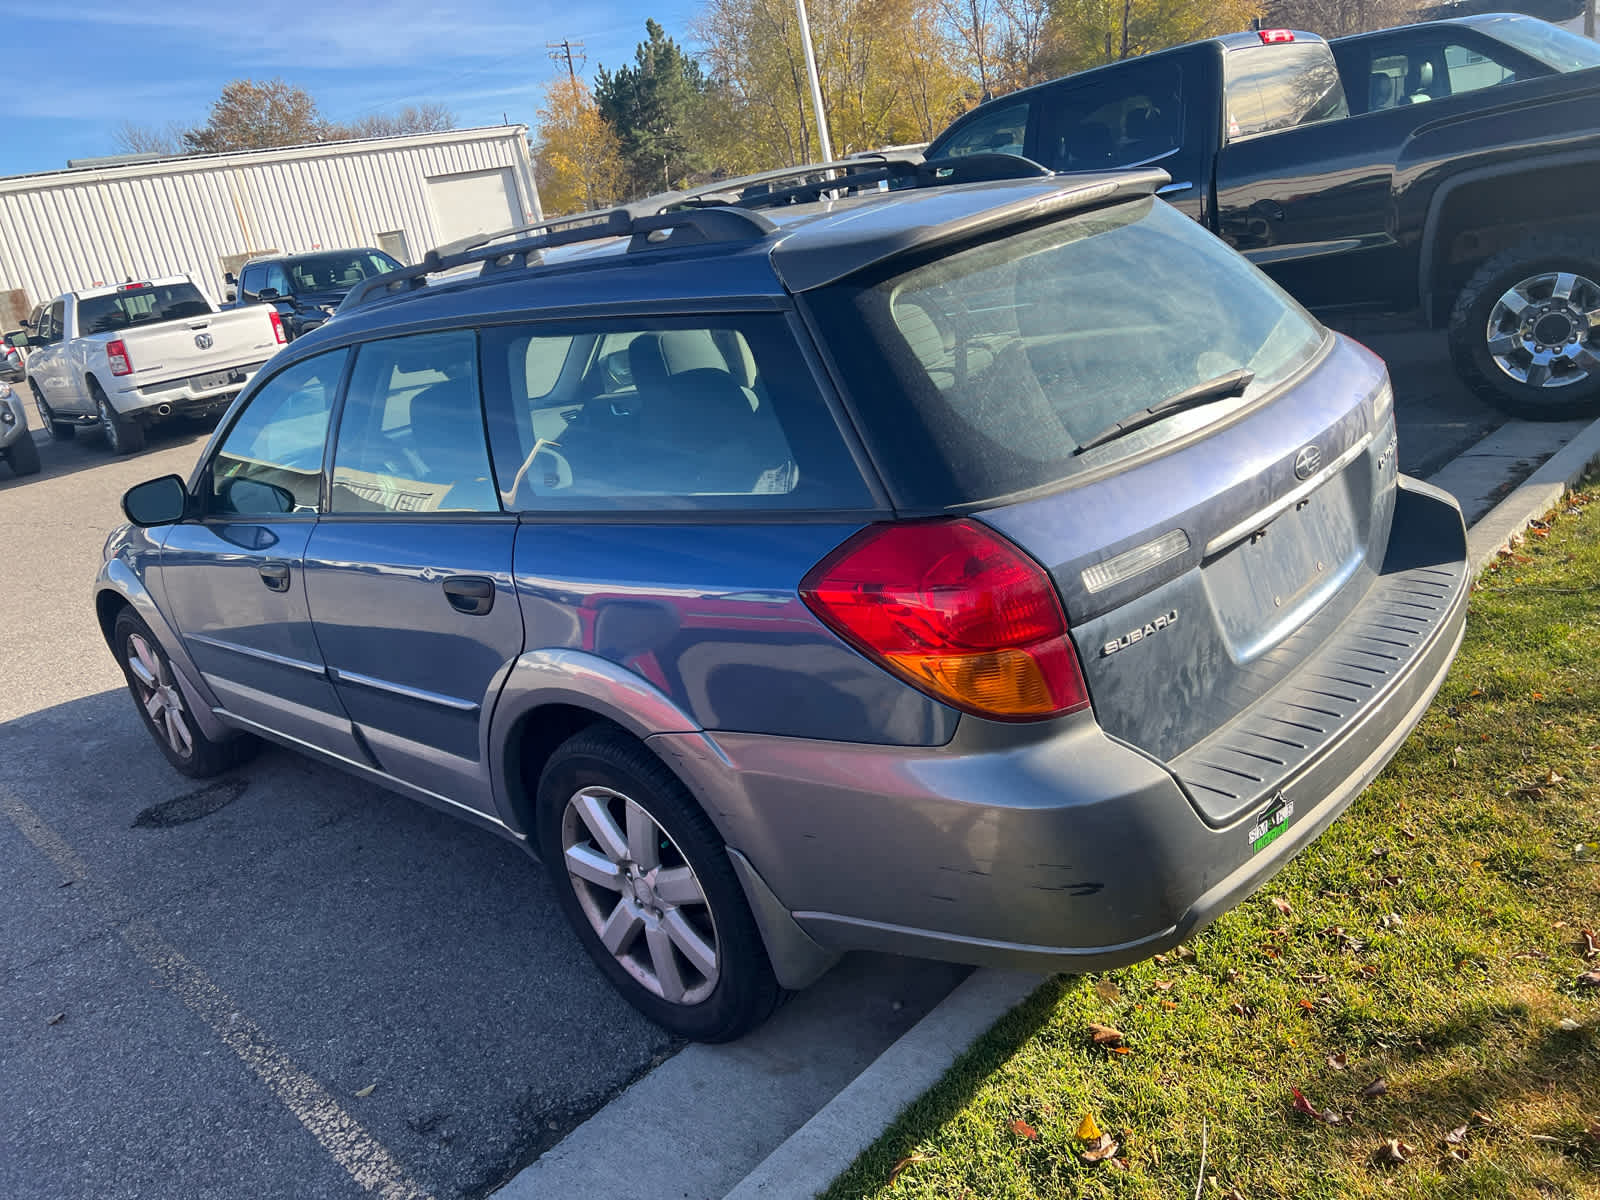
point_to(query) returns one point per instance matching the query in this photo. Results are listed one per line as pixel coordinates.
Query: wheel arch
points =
(1461, 231)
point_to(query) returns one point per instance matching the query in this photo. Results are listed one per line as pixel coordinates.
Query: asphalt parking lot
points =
(201, 984)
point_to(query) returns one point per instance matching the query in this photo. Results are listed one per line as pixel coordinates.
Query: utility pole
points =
(562, 50)
(823, 142)
(1588, 19)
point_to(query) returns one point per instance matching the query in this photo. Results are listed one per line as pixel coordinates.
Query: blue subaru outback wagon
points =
(998, 571)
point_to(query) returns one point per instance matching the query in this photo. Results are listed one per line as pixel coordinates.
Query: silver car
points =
(1004, 572)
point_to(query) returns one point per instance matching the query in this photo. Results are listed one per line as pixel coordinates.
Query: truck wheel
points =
(648, 886)
(123, 434)
(24, 455)
(62, 431)
(1525, 332)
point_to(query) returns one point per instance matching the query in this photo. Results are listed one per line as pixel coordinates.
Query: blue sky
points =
(72, 75)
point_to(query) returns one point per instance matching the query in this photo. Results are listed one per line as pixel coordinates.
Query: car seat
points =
(1424, 90)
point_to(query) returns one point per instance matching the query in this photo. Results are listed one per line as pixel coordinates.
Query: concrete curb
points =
(815, 1154)
(1536, 495)
(821, 1149)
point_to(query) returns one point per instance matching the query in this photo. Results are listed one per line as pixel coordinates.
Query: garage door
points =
(479, 202)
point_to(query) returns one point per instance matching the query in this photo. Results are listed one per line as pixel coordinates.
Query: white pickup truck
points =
(126, 356)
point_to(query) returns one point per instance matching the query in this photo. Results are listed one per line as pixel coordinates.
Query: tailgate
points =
(199, 346)
(1286, 517)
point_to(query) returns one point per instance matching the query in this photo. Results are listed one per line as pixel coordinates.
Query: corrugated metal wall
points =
(70, 230)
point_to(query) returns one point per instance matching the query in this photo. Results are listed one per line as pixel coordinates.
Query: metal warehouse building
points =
(202, 216)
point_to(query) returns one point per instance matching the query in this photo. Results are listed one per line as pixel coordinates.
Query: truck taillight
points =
(956, 611)
(1271, 37)
(277, 327)
(117, 352)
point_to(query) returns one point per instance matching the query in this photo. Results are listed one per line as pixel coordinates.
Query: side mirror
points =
(16, 337)
(163, 501)
(267, 293)
(229, 278)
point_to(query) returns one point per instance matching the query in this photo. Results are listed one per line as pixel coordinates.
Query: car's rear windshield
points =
(1558, 48)
(978, 374)
(140, 305)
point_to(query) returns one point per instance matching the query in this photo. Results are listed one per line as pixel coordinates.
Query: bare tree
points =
(1335, 18)
(413, 118)
(147, 139)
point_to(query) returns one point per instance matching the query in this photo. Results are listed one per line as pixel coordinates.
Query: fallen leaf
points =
(1568, 1025)
(1120, 1050)
(1282, 905)
(1394, 1152)
(1088, 1131)
(1552, 779)
(1182, 953)
(908, 1161)
(1023, 1130)
(1163, 985)
(1104, 1035)
(56, 1020)
(1390, 921)
(1169, 1004)
(1107, 991)
(1456, 1136)
(1100, 1150)
(1593, 1130)
(1376, 1088)
(1589, 979)
(1457, 1154)
(1475, 693)
(1233, 973)
(1240, 1009)
(1232, 1193)
(1302, 1105)
(1338, 1061)
(1590, 947)
(1306, 1005)
(1392, 880)
(1482, 1118)
(367, 1091)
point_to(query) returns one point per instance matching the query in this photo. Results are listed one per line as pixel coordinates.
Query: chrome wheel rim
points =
(640, 895)
(108, 422)
(159, 694)
(1542, 331)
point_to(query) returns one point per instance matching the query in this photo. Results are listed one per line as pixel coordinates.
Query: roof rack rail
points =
(643, 222)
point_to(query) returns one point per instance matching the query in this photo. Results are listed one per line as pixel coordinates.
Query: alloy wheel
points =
(640, 895)
(1543, 330)
(159, 694)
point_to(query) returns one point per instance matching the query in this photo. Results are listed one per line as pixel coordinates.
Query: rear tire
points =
(164, 707)
(124, 435)
(1520, 333)
(638, 865)
(24, 456)
(61, 431)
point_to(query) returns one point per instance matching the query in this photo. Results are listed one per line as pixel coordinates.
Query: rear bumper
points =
(186, 395)
(1058, 848)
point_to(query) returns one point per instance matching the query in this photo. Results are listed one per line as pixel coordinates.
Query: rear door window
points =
(1133, 115)
(719, 412)
(1281, 86)
(270, 462)
(978, 374)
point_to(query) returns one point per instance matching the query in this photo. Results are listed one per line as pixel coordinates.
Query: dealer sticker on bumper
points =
(1272, 822)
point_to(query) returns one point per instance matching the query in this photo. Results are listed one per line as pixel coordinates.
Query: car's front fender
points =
(119, 583)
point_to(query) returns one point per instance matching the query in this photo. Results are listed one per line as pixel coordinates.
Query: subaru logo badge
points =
(202, 341)
(1307, 461)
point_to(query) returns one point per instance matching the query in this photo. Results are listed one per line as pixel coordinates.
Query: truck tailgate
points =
(199, 346)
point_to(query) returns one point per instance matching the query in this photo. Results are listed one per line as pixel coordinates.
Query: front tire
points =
(123, 434)
(647, 884)
(61, 431)
(24, 455)
(165, 708)
(1525, 331)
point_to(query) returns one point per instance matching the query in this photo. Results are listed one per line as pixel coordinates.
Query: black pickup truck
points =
(1451, 167)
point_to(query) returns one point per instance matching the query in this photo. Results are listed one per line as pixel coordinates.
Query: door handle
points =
(471, 594)
(275, 576)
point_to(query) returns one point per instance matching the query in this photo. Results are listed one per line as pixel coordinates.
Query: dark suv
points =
(1003, 572)
(306, 289)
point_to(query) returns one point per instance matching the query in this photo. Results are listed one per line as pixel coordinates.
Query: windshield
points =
(1550, 44)
(337, 272)
(147, 303)
(1002, 359)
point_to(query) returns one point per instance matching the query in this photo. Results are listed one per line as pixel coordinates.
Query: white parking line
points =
(361, 1156)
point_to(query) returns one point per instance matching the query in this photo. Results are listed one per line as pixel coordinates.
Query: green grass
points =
(1470, 838)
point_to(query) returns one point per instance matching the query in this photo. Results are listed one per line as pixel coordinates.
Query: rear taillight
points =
(956, 610)
(277, 326)
(1275, 37)
(121, 364)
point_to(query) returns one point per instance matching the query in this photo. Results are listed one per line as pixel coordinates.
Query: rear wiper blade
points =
(1220, 388)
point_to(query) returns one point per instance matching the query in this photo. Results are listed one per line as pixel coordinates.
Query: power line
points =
(564, 50)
